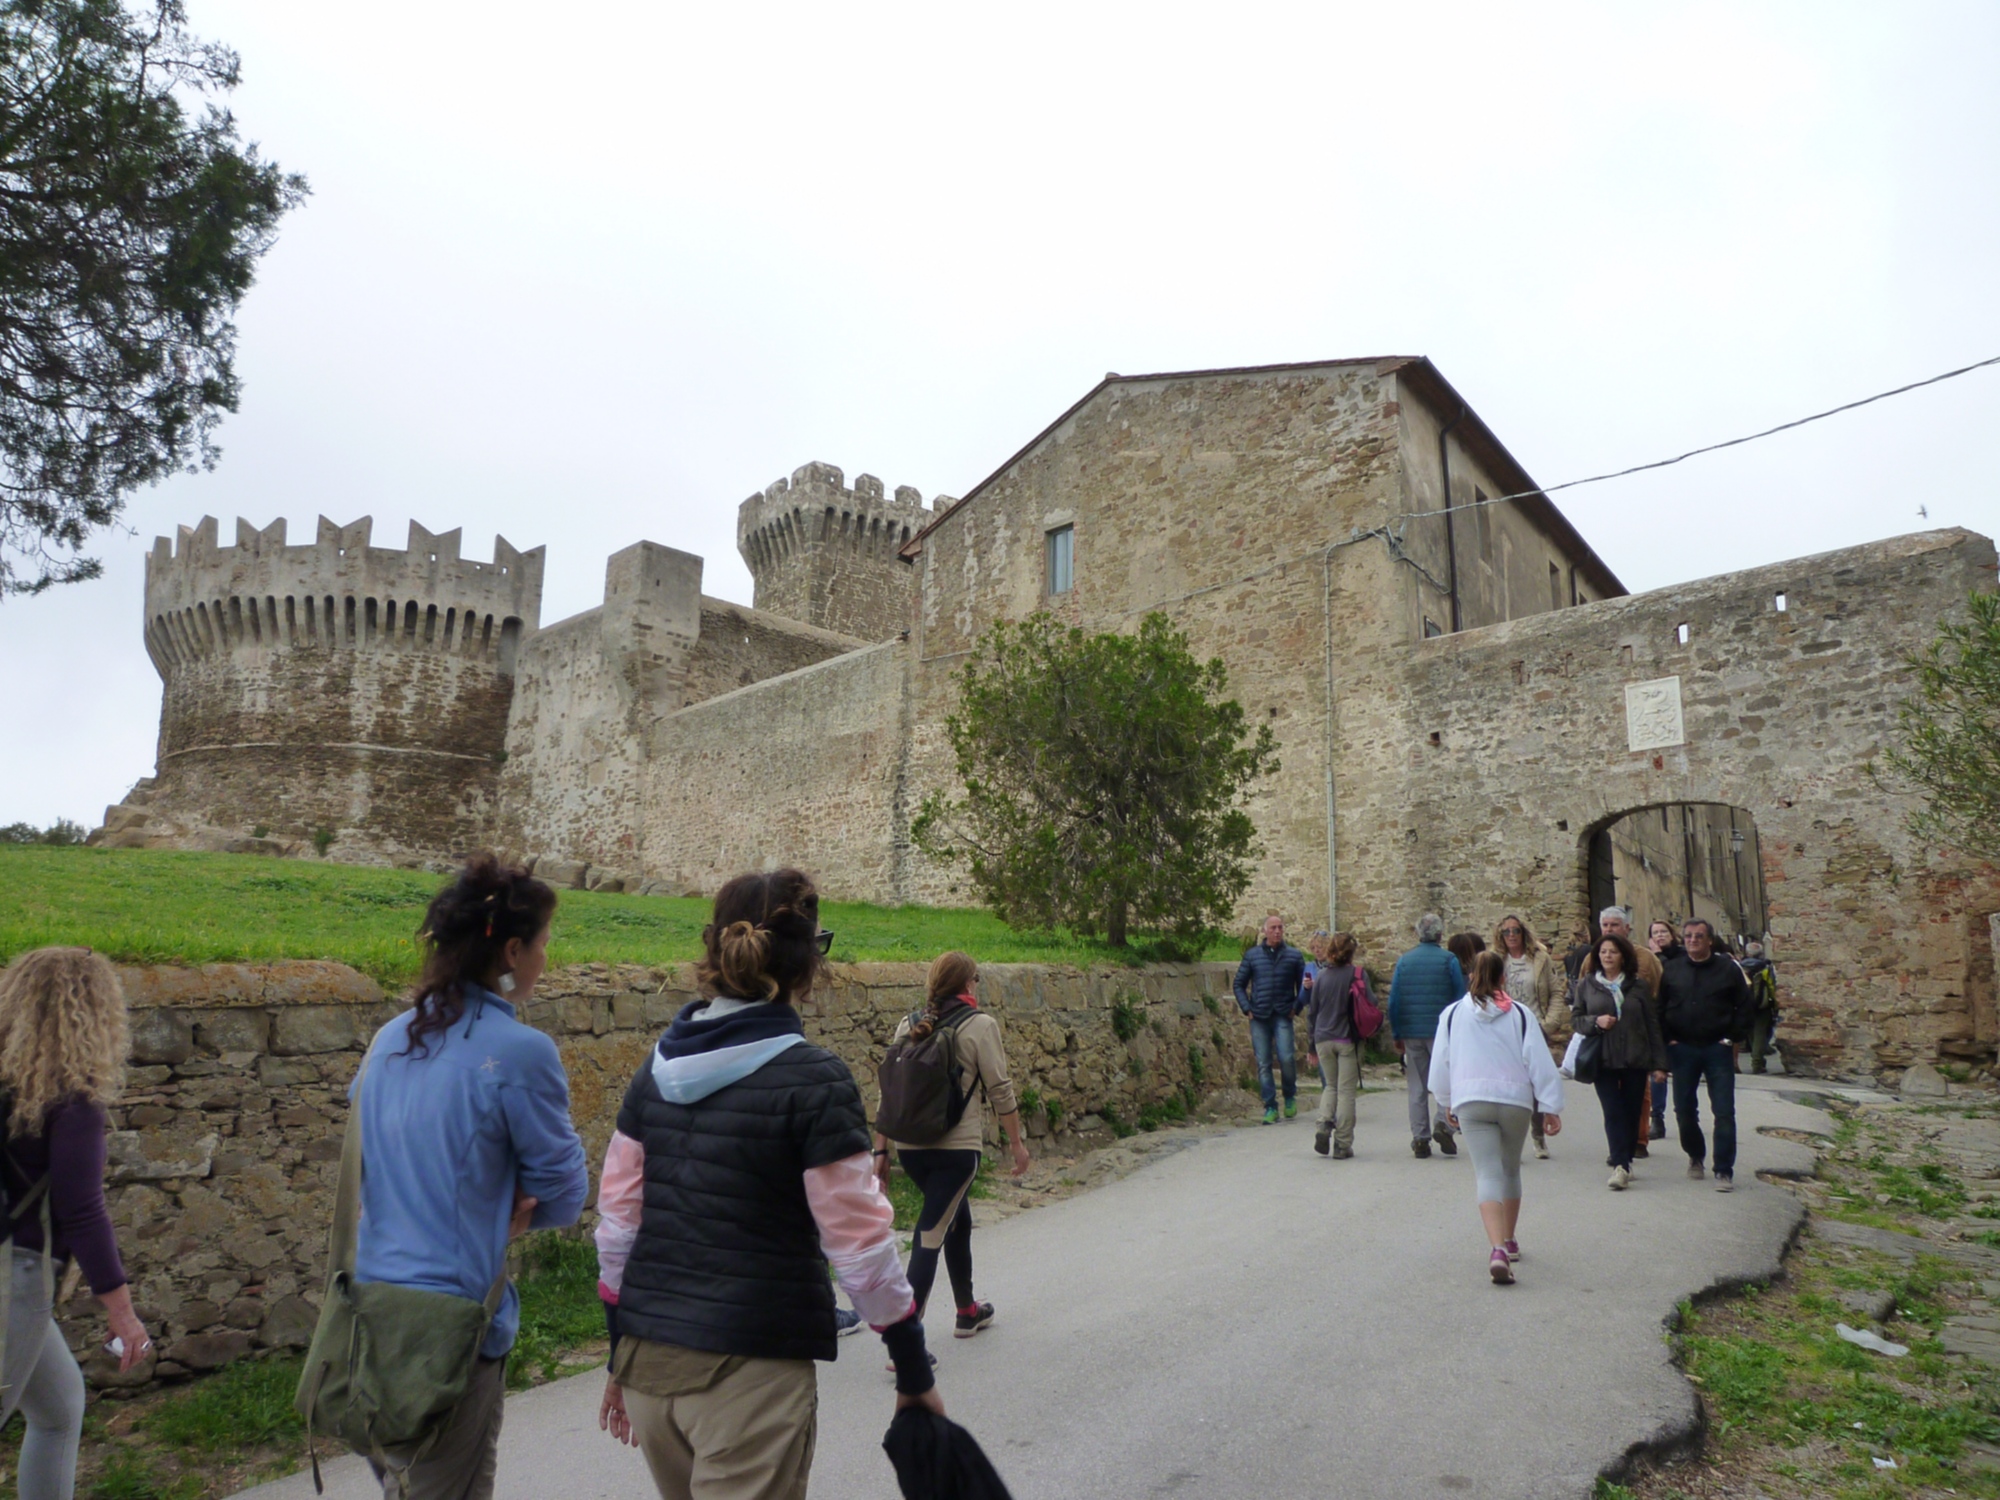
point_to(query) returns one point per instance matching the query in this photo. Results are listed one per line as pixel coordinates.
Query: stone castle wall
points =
(825, 554)
(226, 1146)
(335, 688)
(1474, 769)
(591, 687)
(806, 769)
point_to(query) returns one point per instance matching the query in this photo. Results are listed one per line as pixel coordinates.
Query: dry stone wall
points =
(225, 1148)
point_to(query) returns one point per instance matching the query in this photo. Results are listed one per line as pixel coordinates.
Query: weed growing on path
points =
(1795, 1411)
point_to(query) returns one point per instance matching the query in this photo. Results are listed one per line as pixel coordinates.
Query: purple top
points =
(70, 1150)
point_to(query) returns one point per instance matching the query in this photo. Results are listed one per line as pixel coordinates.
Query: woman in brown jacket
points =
(943, 1169)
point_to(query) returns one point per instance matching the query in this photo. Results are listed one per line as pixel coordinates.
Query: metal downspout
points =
(1450, 542)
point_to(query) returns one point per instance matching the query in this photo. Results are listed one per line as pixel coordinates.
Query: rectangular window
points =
(1062, 559)
(1555, 587)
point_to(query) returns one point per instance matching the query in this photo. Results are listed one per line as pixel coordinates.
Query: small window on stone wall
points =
(1555, 587)
(1061, 559)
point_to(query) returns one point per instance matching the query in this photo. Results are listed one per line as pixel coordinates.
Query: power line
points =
(1661, 463)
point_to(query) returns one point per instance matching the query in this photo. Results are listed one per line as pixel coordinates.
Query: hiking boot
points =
(1725, 1182)
(1659, 1127)
(1291, 1109)
(1640, 1153)
(1500, 1268)
(1321, 1137)
(1619, 1178)
(1513, 1249)
(1343, 1153)
(1271, 1115)
(1695, 1172)
(1420, 1149)
(1442, 1135)
(970, 1321)
(845, 1321)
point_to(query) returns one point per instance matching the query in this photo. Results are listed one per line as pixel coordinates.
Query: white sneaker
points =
(1541, 1151)
(1619, 1177)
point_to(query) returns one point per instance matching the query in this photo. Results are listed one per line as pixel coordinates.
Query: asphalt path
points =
(1243, 1316)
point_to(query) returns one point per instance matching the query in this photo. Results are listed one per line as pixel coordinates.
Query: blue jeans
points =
(1270, 1034)
(1690, 1064)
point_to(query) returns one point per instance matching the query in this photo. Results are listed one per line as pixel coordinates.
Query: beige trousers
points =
(1340, 1071)
(749, 1436)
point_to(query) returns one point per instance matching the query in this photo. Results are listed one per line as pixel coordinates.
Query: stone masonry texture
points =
(225, 1147)
(1446, 679)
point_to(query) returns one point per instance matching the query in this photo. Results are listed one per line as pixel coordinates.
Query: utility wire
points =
(1661, 463)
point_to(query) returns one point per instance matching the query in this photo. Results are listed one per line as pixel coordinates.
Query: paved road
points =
(1247, 1317)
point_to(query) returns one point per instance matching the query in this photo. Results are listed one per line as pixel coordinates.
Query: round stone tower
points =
(337, 695)
(826, 555)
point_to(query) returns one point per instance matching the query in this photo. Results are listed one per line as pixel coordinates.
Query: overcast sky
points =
(587, 274)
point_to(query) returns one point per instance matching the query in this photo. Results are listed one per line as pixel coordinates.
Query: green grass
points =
(560, 1310)
(247, 1404)
(158, 906)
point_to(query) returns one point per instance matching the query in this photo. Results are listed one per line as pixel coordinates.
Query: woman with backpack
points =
(1490, 1067)
(62, 1059)
(738, 1173)
(944, 1165)
(465, 1142)
(1335, 1038)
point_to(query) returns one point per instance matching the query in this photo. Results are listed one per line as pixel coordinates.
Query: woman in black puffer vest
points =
(739, 1170)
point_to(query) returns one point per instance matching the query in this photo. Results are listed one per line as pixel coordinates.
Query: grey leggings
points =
(44, 1384)
(1494, 1134)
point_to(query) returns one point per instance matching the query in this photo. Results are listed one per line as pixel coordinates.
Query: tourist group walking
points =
(1639, 1024)
(746, 1183)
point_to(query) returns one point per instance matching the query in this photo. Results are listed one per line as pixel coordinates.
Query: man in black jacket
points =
(1705, 1012)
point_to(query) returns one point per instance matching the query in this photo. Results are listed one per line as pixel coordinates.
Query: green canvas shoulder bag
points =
(387, 1364)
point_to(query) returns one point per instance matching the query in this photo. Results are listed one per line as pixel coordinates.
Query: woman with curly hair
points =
(466, 1141)
(62, 1059)
(738, 1174)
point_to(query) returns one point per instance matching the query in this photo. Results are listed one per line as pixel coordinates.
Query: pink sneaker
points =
(1513, 1249)
(1501, 1267)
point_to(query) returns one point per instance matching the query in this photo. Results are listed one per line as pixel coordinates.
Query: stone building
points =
(1469, 705)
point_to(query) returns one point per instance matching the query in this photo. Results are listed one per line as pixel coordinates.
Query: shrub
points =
(1197, 1063)
(1125, 1018)
(61, 832)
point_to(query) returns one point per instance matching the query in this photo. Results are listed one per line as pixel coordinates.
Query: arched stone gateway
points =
(1676, 861)
(1475, 771)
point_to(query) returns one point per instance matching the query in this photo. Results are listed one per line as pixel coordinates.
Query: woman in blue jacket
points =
(466, 1141)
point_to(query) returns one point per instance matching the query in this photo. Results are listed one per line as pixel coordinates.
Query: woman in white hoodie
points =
(1490, 1067)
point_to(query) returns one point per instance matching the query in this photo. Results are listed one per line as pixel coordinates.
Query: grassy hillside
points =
(155, 906)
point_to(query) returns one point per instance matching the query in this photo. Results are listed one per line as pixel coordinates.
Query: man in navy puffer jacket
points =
(1268, 984)
(1427, 980)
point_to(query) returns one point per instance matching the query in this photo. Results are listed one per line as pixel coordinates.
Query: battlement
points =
(814, 507)
(337, 592)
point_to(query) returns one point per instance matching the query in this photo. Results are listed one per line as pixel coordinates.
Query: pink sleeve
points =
(858, 1234)
(620, 1192)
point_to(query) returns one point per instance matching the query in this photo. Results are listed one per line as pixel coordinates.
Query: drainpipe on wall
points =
(1450, 544)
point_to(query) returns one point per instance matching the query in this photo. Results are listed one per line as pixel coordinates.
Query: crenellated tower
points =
(336, 693)
(827, 555)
